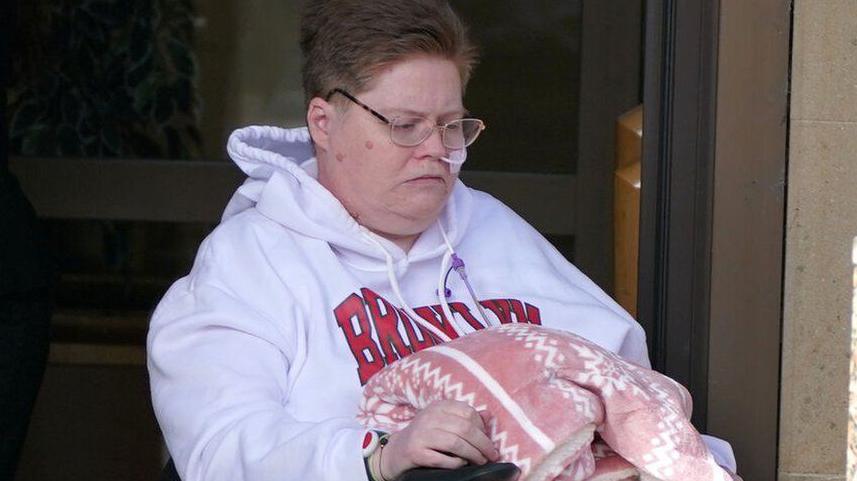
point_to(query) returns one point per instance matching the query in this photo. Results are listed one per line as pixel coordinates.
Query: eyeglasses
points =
(412, 131)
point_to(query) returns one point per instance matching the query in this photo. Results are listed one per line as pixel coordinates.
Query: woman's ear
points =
(319, 118)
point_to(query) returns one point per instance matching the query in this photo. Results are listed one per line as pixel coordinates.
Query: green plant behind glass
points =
(104, 78)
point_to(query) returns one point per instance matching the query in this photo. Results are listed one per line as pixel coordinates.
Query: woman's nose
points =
(433, 145)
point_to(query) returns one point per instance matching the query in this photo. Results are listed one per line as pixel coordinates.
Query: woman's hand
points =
(446, 434)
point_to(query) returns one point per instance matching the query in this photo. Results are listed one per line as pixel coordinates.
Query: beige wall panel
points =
(821, 222)
(824, 69)
(809, 477)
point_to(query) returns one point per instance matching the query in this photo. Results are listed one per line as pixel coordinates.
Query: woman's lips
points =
(428, 178)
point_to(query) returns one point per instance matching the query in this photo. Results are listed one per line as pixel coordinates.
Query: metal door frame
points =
(712, 213)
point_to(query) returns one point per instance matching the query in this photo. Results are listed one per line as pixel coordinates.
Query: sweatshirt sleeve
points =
(219, 375)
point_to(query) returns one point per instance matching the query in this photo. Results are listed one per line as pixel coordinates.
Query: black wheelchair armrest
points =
(485, 472)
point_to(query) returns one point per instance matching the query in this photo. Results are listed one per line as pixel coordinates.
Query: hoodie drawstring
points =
(394, 283)
(457, 264)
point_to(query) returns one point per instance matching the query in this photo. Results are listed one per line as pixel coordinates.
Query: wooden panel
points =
(97, 354)
(126, 189)
(197, 191)
(626, 208)
(92, 423)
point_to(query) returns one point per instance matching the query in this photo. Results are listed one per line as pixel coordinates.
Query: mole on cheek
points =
(340, 157)
(369, 145)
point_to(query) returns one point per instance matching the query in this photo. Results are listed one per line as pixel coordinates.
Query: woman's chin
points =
(423, 214)
(406, 222)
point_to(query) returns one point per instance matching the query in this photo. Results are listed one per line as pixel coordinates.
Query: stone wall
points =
(821, 222)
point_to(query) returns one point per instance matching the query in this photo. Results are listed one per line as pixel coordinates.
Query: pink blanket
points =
(562, 408)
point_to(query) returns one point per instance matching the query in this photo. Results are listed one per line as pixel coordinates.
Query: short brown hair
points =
(345, 42)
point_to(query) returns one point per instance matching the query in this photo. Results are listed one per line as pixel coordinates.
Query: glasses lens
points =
(410, 131)
(461, 133)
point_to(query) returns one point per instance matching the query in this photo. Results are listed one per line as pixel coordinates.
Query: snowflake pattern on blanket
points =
(562, 408)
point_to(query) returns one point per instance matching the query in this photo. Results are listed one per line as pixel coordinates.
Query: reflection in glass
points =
(96, 78)
(170, 79)
(526, 87)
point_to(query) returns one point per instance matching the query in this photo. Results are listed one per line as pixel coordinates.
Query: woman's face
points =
(394, 191)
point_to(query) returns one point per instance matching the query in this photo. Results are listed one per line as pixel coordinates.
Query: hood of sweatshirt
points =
(282, 185)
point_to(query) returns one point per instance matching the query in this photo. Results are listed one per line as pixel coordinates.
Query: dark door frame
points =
(680, 88)
(8, 14)
(712, 211)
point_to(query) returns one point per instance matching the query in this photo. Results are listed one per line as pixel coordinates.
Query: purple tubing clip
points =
(458, 265)
(447, 292)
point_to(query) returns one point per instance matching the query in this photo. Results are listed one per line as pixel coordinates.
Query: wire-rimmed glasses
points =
(412, 131)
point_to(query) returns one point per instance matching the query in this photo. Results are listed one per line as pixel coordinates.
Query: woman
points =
(334, 259)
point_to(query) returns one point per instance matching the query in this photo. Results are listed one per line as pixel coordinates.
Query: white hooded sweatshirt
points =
(258, 355)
